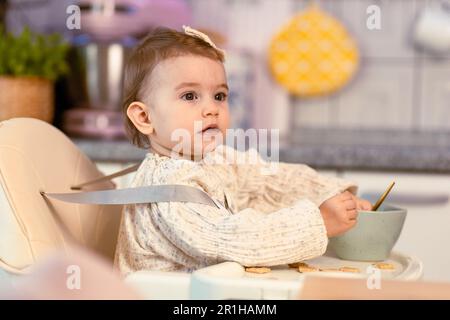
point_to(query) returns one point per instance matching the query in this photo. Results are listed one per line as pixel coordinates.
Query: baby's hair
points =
(160, 44)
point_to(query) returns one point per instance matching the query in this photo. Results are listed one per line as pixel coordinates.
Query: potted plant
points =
(29, 65)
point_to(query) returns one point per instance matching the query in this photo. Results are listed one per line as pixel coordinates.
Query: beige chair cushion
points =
(36, 156)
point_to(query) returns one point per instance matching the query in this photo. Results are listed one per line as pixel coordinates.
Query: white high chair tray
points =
(229, 280)
(405, 268)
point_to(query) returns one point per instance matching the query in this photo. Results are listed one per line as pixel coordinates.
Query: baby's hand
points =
(362, 204)
(339, 213)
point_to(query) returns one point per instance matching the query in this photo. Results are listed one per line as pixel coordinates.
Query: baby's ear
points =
(139, 114)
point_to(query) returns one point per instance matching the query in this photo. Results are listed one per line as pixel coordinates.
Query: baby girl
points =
(173, 81)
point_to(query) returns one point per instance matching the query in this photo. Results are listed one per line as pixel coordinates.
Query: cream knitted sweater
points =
(274, 217)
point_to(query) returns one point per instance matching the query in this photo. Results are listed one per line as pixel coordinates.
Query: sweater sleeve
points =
(249, 237)
(267, 185)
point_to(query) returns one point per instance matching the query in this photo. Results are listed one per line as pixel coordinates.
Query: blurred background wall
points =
(398, 87)
(390, 122)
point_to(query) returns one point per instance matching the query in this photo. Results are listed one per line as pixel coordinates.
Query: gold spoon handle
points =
(383, 196)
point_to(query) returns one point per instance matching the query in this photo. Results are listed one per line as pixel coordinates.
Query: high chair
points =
(37, 158)
(34, 157)
(39, 170)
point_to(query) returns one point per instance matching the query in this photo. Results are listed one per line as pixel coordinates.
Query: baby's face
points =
(188, 94)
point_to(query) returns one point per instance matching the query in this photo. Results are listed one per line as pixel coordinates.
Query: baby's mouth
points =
(211, 130)
(211, 133)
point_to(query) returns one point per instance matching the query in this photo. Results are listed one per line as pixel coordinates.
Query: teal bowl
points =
(373, 236)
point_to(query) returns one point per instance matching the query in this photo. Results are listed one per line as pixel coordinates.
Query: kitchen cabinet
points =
(426, 233)
(396, 18)
(435, 95)
(380, 98)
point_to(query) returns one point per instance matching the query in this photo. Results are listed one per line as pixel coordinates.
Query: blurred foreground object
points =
(76, 274)
(352, 289)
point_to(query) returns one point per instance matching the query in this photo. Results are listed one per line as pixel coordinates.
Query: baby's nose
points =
(211, 110)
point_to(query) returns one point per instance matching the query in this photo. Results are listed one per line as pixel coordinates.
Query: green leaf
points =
(32, 54)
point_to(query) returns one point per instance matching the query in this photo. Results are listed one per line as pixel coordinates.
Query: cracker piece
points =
(296, 265)
(303, 269)
(384, 266)
(259, 270)
(349, 269)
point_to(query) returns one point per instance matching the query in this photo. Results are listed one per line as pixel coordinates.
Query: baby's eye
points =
(189, 96)
(220, 96)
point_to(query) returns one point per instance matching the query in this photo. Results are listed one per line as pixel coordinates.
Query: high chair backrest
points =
(34, 157)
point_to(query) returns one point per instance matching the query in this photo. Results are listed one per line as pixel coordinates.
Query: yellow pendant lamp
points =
(313, 54)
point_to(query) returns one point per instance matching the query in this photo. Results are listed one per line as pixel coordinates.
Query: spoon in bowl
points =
(383, 196)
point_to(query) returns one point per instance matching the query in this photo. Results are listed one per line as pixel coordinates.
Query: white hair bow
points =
(195, 33)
